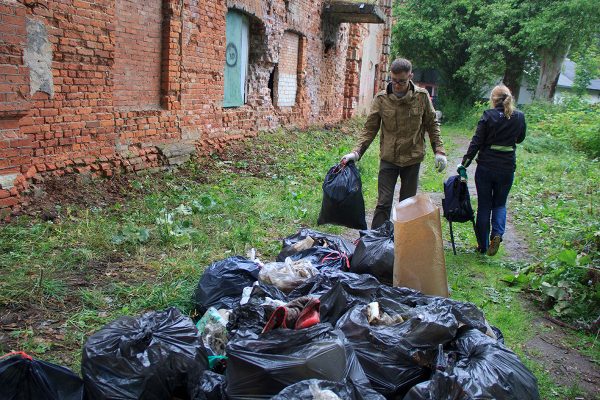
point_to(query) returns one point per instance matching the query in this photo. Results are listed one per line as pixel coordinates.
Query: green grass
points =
(159, 244)
(479, 279)
(94, 265)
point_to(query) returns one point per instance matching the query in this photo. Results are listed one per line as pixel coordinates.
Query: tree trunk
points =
(513, 73)
(550, 64)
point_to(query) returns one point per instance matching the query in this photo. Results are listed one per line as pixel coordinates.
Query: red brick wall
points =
(83, 121)
(353, 63)
(137, 65)
(15, 148)
(14, 81)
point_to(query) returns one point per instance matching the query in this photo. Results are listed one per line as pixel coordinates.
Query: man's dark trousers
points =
(388, 176)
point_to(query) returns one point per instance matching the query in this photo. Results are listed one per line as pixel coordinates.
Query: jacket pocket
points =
(416, 110)
(415, 117)
(389, 119)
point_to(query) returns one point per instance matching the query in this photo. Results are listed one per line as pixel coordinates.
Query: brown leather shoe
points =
(494, 245)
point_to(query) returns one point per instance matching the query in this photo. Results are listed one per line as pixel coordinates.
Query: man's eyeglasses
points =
(399, 81)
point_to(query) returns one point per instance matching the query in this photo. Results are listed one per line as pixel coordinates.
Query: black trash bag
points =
(312, 388)
(337, 301)
(323, 258)
(404, 295)
(158, 355)
(499, 334)
(262, 290)
(222, 283)
(212, 386)
(374, 253)
(323, 282)
(343, 202)
(397, 356)
(25, 378)
(261, 366)
(441, 387)
(252, 316)
(467, 314)
(338, 292)
(486, 369)
(248, 317)
(327, 240)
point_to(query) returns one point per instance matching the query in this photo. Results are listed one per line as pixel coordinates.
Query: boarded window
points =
(137, 68)
(236, 58)
(286, 78)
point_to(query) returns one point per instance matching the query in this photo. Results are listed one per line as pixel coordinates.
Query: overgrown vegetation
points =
(557, 200)
(93, 265)
(67, 278)
(555, 203)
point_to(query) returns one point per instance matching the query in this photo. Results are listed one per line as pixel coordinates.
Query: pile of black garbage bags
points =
(317, 323)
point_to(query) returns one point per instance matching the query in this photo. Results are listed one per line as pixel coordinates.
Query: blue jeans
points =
(492, 191)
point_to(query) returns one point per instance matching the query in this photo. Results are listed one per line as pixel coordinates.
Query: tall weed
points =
(573, 122)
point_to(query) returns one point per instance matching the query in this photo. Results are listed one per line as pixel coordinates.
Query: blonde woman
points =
(498, 132)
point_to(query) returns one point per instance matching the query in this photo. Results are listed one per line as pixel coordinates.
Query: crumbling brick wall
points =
(105, 87)
(358, 36)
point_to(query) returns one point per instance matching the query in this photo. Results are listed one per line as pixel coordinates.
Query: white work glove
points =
(349, 157)
(440, 162)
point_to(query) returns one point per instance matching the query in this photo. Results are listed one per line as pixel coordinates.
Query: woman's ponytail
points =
(501, 96)
(509, 106)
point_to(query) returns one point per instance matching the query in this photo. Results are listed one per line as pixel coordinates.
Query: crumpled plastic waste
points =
(288, 275)
(313, 388)
(213, 328)
(326, 240)
(376, 316)
(322, 394)
(324, 258)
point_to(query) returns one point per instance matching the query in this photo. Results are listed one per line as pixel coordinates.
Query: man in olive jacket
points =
(404, 113)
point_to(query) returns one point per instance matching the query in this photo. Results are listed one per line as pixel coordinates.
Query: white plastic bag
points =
(287, 275)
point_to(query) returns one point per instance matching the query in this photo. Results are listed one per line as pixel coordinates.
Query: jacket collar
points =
(409, 94)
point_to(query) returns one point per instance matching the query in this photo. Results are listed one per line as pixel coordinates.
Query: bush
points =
(573, 122)
(454, 110)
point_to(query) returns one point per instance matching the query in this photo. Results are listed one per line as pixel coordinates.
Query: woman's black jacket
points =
(495, 139)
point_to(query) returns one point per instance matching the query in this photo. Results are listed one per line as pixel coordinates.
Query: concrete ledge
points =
(354, 12)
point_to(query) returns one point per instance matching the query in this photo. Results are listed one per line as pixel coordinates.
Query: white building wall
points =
(287, 73)
(370, 58)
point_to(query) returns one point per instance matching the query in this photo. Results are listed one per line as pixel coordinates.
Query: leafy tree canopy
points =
(474, 42)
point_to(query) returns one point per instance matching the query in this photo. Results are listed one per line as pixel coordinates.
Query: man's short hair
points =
(401, 65)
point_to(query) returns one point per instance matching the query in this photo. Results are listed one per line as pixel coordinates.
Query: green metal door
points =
(236, 58)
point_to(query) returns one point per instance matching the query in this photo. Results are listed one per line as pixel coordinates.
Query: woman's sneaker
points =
(494, 245)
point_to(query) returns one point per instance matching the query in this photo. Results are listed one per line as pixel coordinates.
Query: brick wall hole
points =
(137, 67)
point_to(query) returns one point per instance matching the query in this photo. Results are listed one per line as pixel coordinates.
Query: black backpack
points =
(457, 203)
